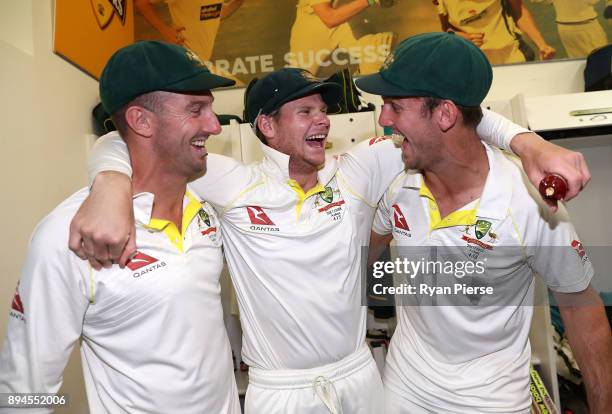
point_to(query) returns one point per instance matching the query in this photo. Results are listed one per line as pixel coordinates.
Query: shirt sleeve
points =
(370, 167)
(110, 153)
(46, 316)
(497, 130)
(382, 218)
(224, 178)
(558, 255)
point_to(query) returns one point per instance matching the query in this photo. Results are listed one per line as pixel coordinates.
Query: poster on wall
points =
(243, 39)
(88, 32)
(247, 38)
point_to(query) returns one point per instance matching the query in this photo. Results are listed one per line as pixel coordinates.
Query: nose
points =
(210, 124)
(322, 119)
(384, 119)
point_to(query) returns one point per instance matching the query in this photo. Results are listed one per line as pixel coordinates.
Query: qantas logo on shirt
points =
(17, 311)
(579, 248)
(257, 216)
(399, 219)
(17, 305)
(140, 260)
(260, 220)
(576, 245)
(400, 225)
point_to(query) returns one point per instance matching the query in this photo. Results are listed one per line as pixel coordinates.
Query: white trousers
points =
(349, 386)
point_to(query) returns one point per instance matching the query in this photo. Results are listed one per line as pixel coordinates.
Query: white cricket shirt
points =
(153, 337)
(295, 257)
(476, 358)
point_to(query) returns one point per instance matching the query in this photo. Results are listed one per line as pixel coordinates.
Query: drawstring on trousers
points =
(327, 393)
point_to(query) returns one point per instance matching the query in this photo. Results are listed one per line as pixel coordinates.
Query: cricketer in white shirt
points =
(474, 356)
(295, 261)
(152, 334)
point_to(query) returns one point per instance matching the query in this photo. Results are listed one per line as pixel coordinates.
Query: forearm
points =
(527, 24)
(499, 131)
(588, 332)
(230, 8)
(333, 17)
(378, 244)
(444, 23)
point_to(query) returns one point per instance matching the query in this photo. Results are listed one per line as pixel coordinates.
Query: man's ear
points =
(140, 120)
(266, 126)
(446, 115)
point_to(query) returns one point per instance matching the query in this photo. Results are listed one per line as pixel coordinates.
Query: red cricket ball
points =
(553, 187)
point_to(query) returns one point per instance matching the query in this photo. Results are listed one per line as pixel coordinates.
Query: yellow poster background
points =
(264, 35)
(88, 32)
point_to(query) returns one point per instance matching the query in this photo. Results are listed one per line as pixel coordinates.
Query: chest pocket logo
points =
(260, 220)
(205, 225)
(482, 228)
(333, 208)
(327, 195)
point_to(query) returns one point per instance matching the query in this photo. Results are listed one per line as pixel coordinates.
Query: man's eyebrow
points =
(311, 106)
(199, 103)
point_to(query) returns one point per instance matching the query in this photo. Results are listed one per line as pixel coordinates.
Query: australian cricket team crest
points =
(204, 216)
(482, 228)
(104, 10)
(205, 225)
(330, 201)
(479, 238)
(327, 195)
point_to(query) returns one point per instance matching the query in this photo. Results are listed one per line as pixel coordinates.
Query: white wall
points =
(45, 105)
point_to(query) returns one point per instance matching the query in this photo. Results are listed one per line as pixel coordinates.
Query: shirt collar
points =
(497, 191)
(143, 205)
(276, 164)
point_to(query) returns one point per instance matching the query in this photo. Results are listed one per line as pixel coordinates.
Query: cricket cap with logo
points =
(438, 65)
(266, 95)
(149, 66)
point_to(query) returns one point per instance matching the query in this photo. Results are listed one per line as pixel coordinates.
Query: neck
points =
(460, 175)
(167, 188)
(304, 174)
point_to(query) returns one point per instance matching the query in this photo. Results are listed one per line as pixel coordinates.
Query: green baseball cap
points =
(266, 95)
(149, 66)
(439, 65)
